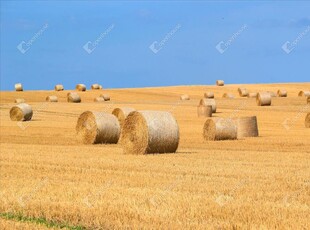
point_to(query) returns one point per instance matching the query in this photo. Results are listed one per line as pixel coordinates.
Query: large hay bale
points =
(122, 113)
(246, 127)
(59, 87)
(80, 87)
(206, 102)
(282, 93)
(99, 99)
(95, 86)
(150, 132)
(228, 95)
(307, 121)
(243, 92)
(19, 87)
(219, 129)
(304, 93)
(184, 97)
(204, 111)
(21, 112)
(209, 95)
(73, 97)
(52, 98)
(252, 95)
(106, 97)
(98, 128)
(263, 99)
(220, 83)
(19, 100)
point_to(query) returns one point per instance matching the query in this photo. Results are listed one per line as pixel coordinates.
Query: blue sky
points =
(54, 37)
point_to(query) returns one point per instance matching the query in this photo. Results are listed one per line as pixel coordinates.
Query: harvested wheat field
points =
(50, 179)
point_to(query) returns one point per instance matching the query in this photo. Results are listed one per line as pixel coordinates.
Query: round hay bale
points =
(97, 128)
(206, 102)
(106, 97)
(307, 121)
(150, 132)
(95, 86)
(59, 87)
(100, 87)
(21, 112)
(80, 87)
(263, 99)
(246, 127)
(243, 92)
(252, 95)
(308, 100)
(52, 98)
(220, 83)
(73, 97)
(99, 99)
(228, 95)
(19, 100)
(304, 94)
(282, 93)
(122, 113)
(272, 94)
(209, 95)
(204, 111)
(184, 97)
(219, 129)
(19, 87)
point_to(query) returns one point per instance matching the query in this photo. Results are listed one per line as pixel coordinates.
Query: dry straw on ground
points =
(80, 87)
(59, 87)
(19, 87)
(220, 83)
(150, 132)
(228, 95)
(304, 93)
(19, 100)
(21, 112)
(272, 94)
(307, 121)
(52, 98)
(73, 97)
(263, 99)
(243, 92)
(206, 102)
(184, 97)
(216, 129)
(252, 95)
(97, 128)
(106, 97)
(204, 111)
(122, 113)
(246, 127)
(95, 86)
(99, 99)
(282, 93)
(209, 95)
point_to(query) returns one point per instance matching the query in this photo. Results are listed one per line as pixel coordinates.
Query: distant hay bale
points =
(272, 94)
(251, 95)
(21, 112)
(209, 95)
(220, 83)
(150, 132)
(246, 127)
(19, 100)
(263, 99)
(184, 97)
(99, 99)
(80, 87)
(59, 87)
(95, 86)
(100, 86)
(122, 113)
(73, 97)
(219, 129)
(19, 87)
(228, 95)
(52, 98)
(282, 93)
(304, 94)
(106, 97)
(307, 121)
(204, 111)
(308, 100)
(97, 128)
(243, 92)
(206, 102)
